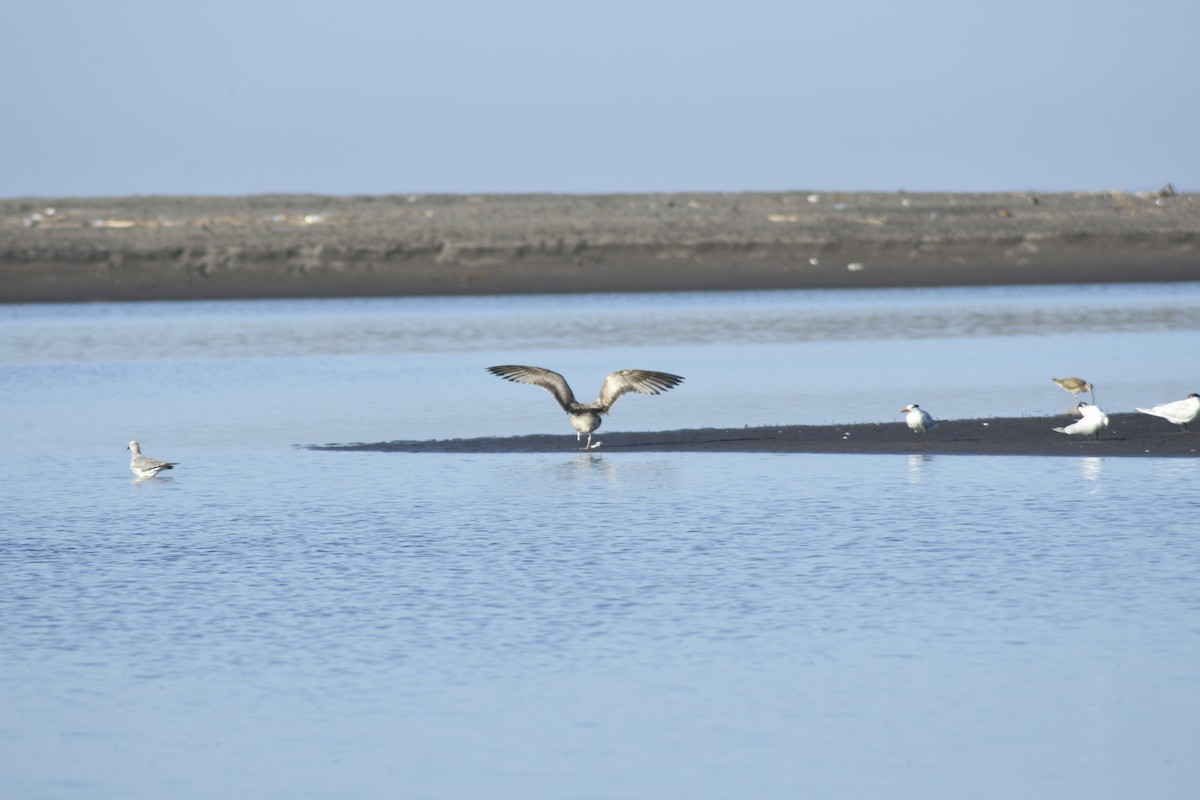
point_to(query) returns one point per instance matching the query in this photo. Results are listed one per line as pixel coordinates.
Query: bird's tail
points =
(1148, 411)
(1059, 430)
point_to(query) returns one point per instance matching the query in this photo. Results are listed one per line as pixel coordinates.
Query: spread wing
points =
(642, 381)
(549, 380)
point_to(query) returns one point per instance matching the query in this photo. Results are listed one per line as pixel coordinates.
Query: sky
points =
(144, 97)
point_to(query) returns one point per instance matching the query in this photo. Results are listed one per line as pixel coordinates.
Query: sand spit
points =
(1128, 435)
(135, 248)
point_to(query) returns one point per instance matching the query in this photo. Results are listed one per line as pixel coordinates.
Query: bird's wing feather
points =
(1166, 410)
(1173, 411)
(548, 379)
(145, 462)
(1177, 408)
(642, 381)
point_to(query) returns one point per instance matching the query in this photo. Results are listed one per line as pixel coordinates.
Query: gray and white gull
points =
(145, 466)
(585, 417)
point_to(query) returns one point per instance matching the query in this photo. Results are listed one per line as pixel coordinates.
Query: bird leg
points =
(589, 445)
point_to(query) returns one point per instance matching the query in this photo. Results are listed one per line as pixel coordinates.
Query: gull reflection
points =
(586, 465)
(916, 466)
(1091, 467)
(151, 480)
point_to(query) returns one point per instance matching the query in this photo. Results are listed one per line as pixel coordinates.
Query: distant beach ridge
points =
(148, 248)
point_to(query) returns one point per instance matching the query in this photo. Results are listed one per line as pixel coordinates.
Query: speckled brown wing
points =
(548, 379)
(642, 381)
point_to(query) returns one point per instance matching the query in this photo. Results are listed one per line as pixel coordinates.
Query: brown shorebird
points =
(1075, 386)
(585, 417)
(1181, 412)
(145, 466)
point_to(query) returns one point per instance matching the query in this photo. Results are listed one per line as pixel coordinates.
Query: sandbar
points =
(1128, 435)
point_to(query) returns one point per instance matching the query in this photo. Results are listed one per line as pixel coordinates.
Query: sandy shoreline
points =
(76, 249)
(1128, 435)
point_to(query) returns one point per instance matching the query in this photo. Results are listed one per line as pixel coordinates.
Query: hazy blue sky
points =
(219, 97)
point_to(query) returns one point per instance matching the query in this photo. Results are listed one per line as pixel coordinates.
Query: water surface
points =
(273, 621)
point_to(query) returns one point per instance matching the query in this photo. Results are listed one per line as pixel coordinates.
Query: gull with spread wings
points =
(585, 417)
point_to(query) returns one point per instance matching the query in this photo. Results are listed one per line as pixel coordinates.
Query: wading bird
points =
(1075, 386)
(144, 466)
(585, 417)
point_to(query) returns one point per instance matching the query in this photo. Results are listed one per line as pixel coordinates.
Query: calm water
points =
(271, 621)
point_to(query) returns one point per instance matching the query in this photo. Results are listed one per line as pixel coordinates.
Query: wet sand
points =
(1128, 435)
(145, 248)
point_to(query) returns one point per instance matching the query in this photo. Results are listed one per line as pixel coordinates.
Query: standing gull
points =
(144, 466)
(1181, 412)
(1075, 386)
(585, 417)
(1091, 420)
(918, 419)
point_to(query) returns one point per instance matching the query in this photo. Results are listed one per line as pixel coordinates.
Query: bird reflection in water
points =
(916, 466)
(1091, 467)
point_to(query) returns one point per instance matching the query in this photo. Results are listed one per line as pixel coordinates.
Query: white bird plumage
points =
(918, 419)
(144, 466)
(585, 417)
(1181, 412)
(1092, 420)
